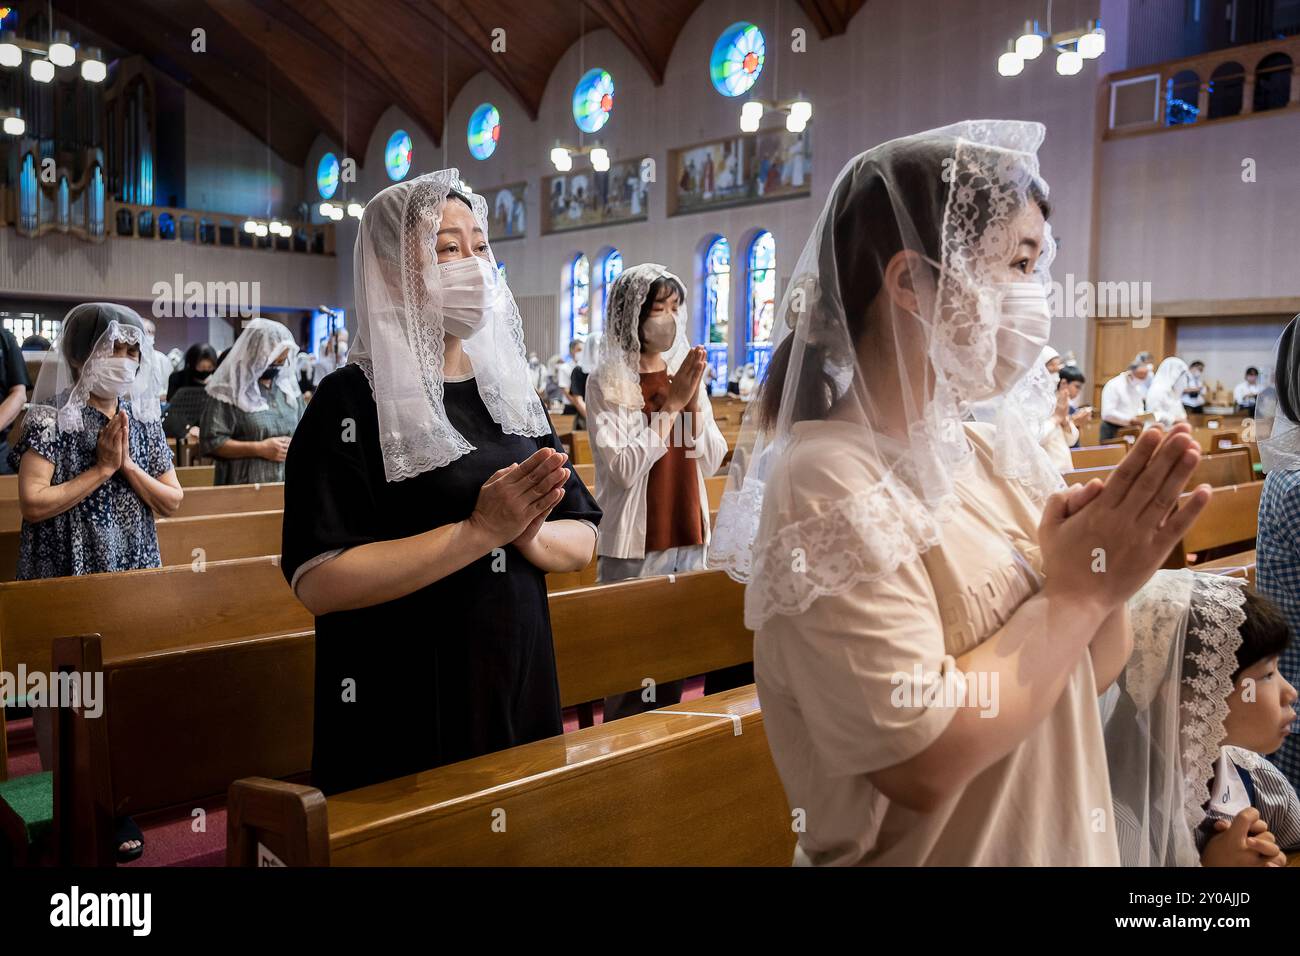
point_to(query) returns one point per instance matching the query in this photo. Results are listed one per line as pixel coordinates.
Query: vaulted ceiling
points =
(285, 69)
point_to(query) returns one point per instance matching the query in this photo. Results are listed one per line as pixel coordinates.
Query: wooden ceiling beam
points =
(615, 15)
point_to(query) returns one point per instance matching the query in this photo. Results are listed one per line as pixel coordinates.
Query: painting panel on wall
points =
(579, 200)
(748, 168)
(507, 211)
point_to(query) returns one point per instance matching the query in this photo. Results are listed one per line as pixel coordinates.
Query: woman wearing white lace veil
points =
(654, 441)
(93, 463)
(1165, 397)
(426, 498)
(254, 404)
(1182, 731)
(1277, 542)
(930, 637)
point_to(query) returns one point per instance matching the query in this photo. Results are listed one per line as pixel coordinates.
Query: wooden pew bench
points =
(1098, 455)
(657, 789)
(1230, 519)
(127, 761)
(198, 500)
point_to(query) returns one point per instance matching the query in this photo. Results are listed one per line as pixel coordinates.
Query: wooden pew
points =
(155, 608)
(1224, 468)
(1234, 565)
(657, 789)
(1230, 518)
(127, 761)
(198, 500)
(1097, 455)
(196, 476)
(184, 540)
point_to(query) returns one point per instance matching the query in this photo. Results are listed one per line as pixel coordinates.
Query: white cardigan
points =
(625, 448)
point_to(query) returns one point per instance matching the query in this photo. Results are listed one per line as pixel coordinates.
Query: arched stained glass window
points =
(760, 290)
(717, 308)
(397, 155)
(484, 131)
(327, 175)
(611, 267)
(593, 99)
(737, 59)
(579, 297)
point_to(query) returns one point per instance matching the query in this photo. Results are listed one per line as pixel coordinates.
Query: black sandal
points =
(128, 830)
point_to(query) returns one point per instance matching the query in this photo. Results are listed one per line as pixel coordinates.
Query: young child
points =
(1198, 703)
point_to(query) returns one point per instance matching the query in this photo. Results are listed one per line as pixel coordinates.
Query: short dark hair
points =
(1251, 370)
(1264, 633)
(660, 288)
(1198, 362)
(1285, 380)
(462, 197)
(1071, 373)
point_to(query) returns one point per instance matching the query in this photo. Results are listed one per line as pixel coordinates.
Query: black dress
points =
(460, 668)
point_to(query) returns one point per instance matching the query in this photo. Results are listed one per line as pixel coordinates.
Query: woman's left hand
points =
(124, 463)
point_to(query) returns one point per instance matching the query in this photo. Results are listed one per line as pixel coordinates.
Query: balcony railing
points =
(1220, 85)
(203, 228)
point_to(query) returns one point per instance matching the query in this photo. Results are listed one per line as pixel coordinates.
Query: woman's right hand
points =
(684, 389)
(515, 496)
(1103, 552)
(1244, 842)
(275, 449)
(109, 448)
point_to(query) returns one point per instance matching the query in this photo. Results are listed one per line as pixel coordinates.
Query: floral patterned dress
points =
(111, 529)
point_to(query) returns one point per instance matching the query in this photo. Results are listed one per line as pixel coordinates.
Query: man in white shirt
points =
(1122, 398)
(333, 355)
(1245, 392)
(1194, 390)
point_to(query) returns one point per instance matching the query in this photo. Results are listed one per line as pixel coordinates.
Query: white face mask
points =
(113, 377)
(471, 288)
(659, 332)
(1024, 324)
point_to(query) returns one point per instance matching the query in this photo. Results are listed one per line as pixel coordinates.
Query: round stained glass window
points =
(397, 155)
(593, 99)
(737, 59)
(327, 175)
(484, 131)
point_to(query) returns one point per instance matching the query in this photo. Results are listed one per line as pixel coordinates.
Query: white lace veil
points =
(399, 340)
(1165, 396)
(1165, 723)
(954, 200)
(1279, 435)
(617, 365)
(235, 380)
(63, 387)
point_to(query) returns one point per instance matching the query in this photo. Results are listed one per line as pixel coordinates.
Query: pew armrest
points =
(272, 823)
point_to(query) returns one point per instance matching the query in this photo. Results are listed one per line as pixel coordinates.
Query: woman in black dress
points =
(426, 498)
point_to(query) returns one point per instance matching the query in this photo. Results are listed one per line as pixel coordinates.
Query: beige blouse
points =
(828, 685)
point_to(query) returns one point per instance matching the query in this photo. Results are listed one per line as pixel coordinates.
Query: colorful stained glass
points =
(484, 131)
(579, 297)
(593, 99)
(761, 288)
(737, 59)
(327, 175)
(397, 155)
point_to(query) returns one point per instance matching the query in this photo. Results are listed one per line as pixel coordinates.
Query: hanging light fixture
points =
(61, 51)
(42, 71)
(93, 67)
(250, 226)
(262, 230)
(11, 54)
(336, 213)
(355, 209)
(14, 124)
(751, 114)
(1029, 45)
(599, 159)
(561, 159)
(1011, 63)
(1093, 43)
(1068, 62)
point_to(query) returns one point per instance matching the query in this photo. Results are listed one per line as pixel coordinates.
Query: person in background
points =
(1074, 381)
(1194, 388)
(36, 343)
(1123, 397)
(654, 442)
(200, 362)
(564, 376)
(13, 390)
(306, 373)
(1164, 400)
(1244, 394)
(537, 375)
(333, 355)
(254, 406)
(156, 363)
